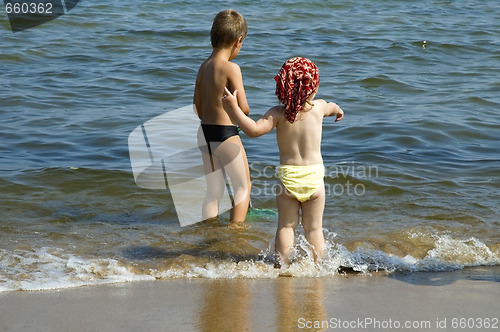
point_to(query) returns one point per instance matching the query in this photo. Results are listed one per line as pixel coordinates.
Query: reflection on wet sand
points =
(231, 305)
(226, 306)
(300, 301)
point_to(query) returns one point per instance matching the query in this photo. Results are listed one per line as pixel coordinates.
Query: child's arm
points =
(249, 126)
(197, 100)
(235, 80)
(333, 109)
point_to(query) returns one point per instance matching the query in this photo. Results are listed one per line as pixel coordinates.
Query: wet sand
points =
(431, 301)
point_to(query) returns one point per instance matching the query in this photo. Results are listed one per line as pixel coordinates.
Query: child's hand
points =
(340, 115)
(334, 110)
(229, 101)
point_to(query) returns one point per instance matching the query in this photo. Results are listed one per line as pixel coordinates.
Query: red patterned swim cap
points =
(297, 80)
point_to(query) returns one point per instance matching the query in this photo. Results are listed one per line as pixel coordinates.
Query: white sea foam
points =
(53, 268)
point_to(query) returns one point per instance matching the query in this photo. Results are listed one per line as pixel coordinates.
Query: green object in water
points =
(268, 214)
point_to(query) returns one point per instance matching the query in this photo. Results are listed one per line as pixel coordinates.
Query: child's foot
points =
(210, 222)
(238, 225)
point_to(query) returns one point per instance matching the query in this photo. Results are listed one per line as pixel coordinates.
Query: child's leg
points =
(312, 221)
(215, 186)
(231, 154)
(288, 219)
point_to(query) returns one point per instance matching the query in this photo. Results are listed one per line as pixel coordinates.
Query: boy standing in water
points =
(222, 150)
(298, 125)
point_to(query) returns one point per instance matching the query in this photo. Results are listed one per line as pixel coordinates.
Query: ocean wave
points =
(54, 268)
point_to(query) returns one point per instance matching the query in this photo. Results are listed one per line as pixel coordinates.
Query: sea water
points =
(412, 171)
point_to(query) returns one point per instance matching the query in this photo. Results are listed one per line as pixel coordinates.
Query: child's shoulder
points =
(277, 111)
(321, 106)
(229, 68)
(222, 63)
(325, 108)
(320, 102)
(233, 67)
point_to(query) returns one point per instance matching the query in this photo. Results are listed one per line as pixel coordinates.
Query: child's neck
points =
(222, 53)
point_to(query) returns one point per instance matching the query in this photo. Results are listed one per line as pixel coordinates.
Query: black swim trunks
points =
(217, 133)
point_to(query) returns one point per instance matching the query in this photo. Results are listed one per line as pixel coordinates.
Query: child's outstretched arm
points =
(333, 109)
(249, 126)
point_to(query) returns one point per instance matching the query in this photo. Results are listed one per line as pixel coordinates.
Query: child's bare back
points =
(299, 142)
(216, 73)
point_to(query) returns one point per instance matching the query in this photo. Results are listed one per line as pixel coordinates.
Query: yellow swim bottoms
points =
(301, 181)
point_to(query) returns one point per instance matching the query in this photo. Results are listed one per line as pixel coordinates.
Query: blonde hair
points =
(228, 26)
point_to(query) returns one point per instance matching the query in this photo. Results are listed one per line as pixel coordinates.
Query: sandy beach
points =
(434, 301)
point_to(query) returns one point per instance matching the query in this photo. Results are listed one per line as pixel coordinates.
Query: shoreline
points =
(349, 302)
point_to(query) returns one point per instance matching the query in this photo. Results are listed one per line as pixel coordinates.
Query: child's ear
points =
(238, 42)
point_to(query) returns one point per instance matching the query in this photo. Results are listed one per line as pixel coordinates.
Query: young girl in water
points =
(298, 123)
